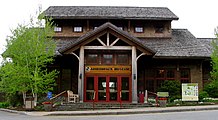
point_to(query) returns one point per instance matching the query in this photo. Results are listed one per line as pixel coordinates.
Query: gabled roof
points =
(182, 45)
(110, 12)
(76, 43)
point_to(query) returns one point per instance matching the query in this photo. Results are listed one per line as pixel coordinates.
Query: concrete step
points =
(90, 106)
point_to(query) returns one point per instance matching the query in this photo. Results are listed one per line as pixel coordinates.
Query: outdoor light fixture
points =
(80, 76)
(134, 76)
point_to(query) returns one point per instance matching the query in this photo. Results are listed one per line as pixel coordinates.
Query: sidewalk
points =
(145, 110)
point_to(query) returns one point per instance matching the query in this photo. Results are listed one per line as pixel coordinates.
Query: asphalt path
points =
(190, 115)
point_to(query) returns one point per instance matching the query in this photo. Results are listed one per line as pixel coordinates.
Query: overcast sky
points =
(200, 17)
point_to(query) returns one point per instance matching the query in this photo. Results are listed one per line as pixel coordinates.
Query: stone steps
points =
(90, 106)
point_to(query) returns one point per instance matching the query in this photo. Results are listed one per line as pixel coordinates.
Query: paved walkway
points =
(117, 111)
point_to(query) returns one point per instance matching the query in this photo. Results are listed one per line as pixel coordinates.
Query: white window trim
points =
(57, 29)
(77, 29)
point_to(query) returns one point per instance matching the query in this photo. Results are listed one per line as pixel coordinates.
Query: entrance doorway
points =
(107, 88)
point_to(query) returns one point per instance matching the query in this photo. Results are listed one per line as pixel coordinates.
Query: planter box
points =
(162, 103)
(48, 107)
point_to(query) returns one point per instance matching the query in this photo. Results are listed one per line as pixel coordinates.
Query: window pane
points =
(92, 59)
(77, 29)
(170, 73)
(57, 29)
(184, 73)
(122, 59)
(138, 29)
(108, 59)
(159, 29)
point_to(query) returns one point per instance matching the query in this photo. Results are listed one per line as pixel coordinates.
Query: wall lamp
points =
(80, 76)
(134, 76)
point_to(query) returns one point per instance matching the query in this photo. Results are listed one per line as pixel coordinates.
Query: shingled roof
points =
(110, 12)
(208, 43)
(182, 45)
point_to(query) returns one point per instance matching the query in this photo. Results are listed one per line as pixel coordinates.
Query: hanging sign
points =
(108, 69)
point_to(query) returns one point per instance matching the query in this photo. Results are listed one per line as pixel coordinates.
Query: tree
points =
(212, 87)
(31, 49)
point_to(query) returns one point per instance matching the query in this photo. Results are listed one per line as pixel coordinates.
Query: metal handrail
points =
(56, 96)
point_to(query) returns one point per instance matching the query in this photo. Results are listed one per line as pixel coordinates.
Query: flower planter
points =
(47, 106)
(162, 102)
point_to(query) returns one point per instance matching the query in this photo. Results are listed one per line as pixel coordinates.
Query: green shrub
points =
(202, 95)
(212, 89)
(173, 87)
(4, 104)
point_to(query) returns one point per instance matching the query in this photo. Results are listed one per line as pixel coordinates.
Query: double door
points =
(107, 88)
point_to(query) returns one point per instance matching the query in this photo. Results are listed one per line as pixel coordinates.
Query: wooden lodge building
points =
(113, 53)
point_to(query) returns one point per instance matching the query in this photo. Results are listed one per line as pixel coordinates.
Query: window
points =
(170, 73)
(159, 29)
(122, 59)
(139, 29)
(77, 29)
(57, 29)
(107, 59)
(92, 59)
(185, 75)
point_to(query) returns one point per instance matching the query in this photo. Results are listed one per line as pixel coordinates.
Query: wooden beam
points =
(101, 41)
(108, 47)
(112, 44)
(108, 39)
(87, 25)
(129, 26)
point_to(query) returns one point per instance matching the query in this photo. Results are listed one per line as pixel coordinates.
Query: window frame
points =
(139, 29)
(159, 28)
(97, 58)
(127, 61)
(57, 29)
(103, 60)
(77, 29)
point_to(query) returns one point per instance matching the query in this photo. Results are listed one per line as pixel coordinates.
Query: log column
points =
(81, 74)
(134, 75)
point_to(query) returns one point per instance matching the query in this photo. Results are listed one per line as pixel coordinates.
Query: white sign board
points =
(189, 91)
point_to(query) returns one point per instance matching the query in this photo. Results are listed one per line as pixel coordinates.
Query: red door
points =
(107, 88)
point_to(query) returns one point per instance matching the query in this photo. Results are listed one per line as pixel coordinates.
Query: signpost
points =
(189, 91)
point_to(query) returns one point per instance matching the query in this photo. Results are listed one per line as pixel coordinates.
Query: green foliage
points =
(212, 87)
(202, 95)
(173, 87)
(4, 104)
(30, 49)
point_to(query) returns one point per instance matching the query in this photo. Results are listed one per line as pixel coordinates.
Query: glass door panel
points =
(113, 88)
(125, 88)
(102, 85)
(89, 88)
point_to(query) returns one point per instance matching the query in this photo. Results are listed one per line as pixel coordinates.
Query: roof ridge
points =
(109, 6)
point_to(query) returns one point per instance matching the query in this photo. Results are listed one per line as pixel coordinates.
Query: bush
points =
(173, 87)
(202, 95)
(4, 104)
(212, 89)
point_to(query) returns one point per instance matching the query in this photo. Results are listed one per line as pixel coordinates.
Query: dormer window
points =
(139, 29)
(159, 29)
(57, 29)
(77, 29)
